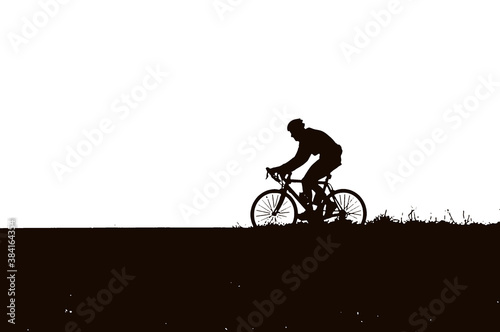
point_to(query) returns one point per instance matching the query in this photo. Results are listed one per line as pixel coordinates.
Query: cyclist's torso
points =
(317, 142)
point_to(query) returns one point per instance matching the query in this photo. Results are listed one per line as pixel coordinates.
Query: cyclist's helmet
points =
(295, 124)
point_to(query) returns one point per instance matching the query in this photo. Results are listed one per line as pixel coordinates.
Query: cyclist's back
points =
(317, 142)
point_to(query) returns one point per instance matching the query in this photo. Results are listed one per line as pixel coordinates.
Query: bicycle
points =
(279, 207)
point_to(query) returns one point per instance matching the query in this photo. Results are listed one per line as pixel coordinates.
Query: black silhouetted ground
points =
(204, 279)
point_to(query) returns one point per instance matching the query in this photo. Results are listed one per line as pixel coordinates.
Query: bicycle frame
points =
(285, 187)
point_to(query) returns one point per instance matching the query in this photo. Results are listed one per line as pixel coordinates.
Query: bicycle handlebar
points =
(276, 177)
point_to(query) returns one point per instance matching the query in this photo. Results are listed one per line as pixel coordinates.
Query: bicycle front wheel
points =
(350, 206)
(265, 209)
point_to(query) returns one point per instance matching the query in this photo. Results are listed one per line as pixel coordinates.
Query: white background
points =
(227, 73)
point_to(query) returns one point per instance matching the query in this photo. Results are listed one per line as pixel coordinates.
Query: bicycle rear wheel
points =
(265, 212)
(350, 206)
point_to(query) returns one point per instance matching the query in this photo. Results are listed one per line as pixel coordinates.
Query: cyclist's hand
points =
(276, 173)
(270, 171)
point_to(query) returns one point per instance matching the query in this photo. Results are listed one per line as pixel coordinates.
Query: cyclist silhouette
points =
(311, 142)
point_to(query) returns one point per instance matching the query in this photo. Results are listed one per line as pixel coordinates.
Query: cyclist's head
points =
(296, 127)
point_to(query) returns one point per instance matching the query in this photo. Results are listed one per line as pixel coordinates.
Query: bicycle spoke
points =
(266, 218)
(266, 202)
(357, 212)
(269, 203)
(263, 206)
(349, 209)
(288, 207)
(341, 202)
(348, 200)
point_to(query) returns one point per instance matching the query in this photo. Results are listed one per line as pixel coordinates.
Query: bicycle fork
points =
(279, 203)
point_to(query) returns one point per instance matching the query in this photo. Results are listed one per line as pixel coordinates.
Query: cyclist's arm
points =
(300, 159)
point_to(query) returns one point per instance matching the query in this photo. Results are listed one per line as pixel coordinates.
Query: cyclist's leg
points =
(308, 183)
(318, 170)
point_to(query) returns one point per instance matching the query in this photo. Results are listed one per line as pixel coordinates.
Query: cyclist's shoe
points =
(330, 208)
(304, 200)
(305, 215)
(308, 214)
(315, 217)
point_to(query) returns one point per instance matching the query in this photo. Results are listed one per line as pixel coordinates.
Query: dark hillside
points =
(370, 278)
